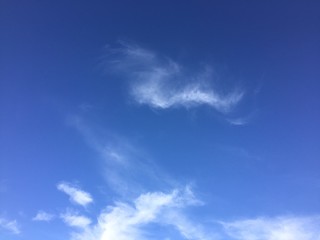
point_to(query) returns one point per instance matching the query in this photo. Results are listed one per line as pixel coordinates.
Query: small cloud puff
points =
(43, 216)
(75, 220)
(10, 225)
(76, 195)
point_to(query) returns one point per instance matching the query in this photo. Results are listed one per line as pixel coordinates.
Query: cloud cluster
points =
(162, 83)
(125, 221)
(140, 217)
(76, 195)
(11, 226)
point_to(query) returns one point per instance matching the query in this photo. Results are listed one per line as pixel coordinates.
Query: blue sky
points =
(169, 120)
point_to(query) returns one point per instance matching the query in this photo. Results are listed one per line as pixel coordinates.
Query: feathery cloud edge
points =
(162, 83)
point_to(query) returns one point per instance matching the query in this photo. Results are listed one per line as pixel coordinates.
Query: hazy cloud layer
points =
(76, 195)
(160, 82)
(3, 185)
(278, 228)
(9, 225)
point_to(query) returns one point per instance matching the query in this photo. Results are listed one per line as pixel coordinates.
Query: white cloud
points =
(162, 83)
(11, 226)
(279, 228)
(156, 95)
(125, 221)
(76, 195)
(75, 220)
(43, 216)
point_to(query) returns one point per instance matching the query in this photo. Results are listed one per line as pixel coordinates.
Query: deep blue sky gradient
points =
(53, 59)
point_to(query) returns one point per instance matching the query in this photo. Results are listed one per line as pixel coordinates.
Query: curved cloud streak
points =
(162, 83)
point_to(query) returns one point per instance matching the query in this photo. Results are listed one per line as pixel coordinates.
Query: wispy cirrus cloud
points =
(277, 228)
(128, 170)
(43, 216)
(10, 225)
(162, 83)
(130, 221)
(76, 195)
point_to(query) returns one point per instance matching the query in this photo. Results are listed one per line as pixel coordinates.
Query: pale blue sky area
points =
(166, 120)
